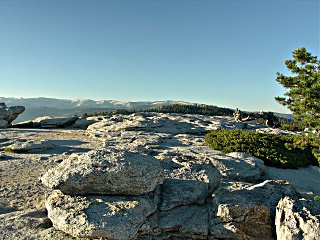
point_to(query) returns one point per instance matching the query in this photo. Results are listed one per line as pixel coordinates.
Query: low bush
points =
(7, 150)
(274, 150)
(292, 126)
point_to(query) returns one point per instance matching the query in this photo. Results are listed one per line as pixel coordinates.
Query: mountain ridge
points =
(44, 106)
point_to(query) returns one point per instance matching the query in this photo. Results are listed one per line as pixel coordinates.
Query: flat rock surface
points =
(21, 192)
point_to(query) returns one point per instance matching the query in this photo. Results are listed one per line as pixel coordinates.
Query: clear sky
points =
(220, 52)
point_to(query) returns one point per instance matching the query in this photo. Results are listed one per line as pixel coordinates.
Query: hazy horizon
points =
(129, 101)
(223, 53)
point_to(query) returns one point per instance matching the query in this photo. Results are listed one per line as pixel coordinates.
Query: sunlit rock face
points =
(154, 178)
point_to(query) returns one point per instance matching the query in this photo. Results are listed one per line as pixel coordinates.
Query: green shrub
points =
(274, 150)
(292, 126)
(7, 149)
(316, 198)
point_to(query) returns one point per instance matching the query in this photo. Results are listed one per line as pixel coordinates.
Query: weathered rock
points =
(186, 221)
(189, 178)
(148, 122)
(109, 217)
(177, 192)
(233, 166)
(298, 219)
(244, 167)
(190, 171)
(245, 211)
(29, 146)
(15, 111)
(83, 123)
(182, 163)
(106, 172)
(17, 224)
(237, 166)
(8, 114)
(57, 122)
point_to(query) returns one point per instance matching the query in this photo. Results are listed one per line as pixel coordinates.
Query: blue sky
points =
(220, 52)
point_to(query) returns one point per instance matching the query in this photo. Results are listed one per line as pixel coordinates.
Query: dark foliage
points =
(303, 96)
(274, 150)
(303, 88)
(201, 109)
(175, 108)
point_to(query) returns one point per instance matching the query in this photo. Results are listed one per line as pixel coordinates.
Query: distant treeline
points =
(201, 109)
(175, 108)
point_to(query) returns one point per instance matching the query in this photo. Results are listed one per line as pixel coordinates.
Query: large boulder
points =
(246, 211)
(111, 217)
(15, 111)
(298, 219)
(106, 172)
(9, 114)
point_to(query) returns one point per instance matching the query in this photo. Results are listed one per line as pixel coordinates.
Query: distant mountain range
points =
(41, 106)
(38, 107)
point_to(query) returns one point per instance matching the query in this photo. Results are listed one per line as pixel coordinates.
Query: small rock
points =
(57, 122)
(30, 145)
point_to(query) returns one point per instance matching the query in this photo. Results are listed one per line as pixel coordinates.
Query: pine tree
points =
(303, 97)
(303, 88)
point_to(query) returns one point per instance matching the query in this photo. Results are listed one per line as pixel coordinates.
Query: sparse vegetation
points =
(274, 150)
(7, 150)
